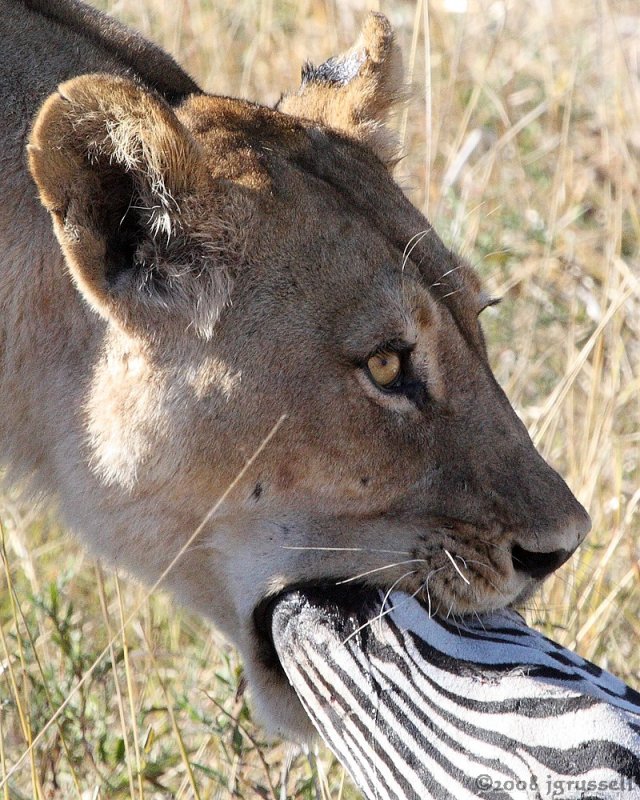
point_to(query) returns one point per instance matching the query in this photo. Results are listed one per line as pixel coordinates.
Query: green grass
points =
(546, 206)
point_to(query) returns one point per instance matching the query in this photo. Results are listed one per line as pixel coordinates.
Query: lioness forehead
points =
(339, 190)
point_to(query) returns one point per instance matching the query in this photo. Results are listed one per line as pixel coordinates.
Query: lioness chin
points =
(212, 266)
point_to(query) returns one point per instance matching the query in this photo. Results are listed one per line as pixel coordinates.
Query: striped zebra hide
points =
(417, 707)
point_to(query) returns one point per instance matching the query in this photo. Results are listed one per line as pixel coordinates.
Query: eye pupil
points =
(384, 368)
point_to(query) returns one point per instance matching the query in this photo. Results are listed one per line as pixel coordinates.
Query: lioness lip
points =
(262, 616)
(345, 598)
(345, 601)
(344, 604)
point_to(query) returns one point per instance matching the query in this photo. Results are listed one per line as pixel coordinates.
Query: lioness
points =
(212, 265)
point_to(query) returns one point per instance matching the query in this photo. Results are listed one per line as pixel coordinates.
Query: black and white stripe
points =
(419, 707)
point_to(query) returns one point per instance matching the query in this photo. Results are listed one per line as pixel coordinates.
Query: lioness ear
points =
(354, 92)
(115, 167)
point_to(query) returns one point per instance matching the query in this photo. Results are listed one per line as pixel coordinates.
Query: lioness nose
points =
(538, 565)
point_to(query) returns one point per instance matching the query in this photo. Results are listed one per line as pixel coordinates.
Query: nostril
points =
(538, 565)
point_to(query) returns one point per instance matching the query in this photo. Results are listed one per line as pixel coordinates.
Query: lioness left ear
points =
(354, 92)
(116, 169)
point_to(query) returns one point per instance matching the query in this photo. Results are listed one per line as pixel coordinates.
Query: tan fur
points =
(218, 264)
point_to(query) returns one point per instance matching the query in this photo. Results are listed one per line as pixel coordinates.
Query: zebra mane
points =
(421, 708)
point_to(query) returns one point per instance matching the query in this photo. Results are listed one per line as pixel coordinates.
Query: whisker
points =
(488, 566)
(380, 569)
(457, 568)
(392, 587)
(444, 275)
(480, 620)
(448, 614)
(383, 611)
(425, 588)
(450, 294)
(496, 545)
(347, 550)
(494, 587)
(482, 564)
(458, 621)
(411, 245)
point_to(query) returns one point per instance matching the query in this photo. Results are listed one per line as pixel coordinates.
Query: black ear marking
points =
(335, 71)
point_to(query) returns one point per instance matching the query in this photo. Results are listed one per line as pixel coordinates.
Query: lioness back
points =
(184, 276)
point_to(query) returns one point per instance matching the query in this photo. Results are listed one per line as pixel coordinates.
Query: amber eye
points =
(385, 368)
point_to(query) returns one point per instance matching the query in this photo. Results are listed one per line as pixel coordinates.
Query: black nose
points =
(538, 565)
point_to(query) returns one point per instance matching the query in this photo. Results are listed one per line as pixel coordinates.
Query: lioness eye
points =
(385, 368)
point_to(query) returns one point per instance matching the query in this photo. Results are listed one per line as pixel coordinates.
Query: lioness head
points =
(247, 263)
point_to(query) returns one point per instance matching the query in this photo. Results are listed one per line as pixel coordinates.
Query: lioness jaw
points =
(219, 264)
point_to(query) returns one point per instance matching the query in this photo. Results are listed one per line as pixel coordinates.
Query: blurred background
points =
(521, 142)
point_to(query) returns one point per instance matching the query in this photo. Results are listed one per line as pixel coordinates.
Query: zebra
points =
(418, 707)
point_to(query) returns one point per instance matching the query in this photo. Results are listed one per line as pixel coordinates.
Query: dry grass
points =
(522, 141)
